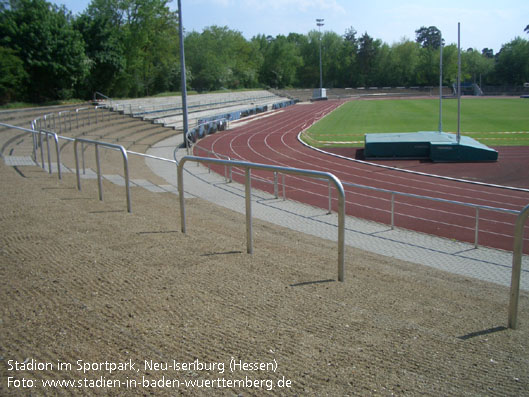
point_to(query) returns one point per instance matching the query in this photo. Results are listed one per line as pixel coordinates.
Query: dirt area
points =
(83, 282)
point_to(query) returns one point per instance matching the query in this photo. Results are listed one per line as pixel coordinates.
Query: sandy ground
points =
(82, 281)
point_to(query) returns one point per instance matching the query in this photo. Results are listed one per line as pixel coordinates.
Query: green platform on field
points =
(433, 145)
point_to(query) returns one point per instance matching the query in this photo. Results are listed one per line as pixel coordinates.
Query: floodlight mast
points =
(458, 82)
(183, 73)
(440, 82)
(320, 23)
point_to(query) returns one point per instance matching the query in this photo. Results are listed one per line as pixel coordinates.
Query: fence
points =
(98, 163)
(519, 228)
(248, 167)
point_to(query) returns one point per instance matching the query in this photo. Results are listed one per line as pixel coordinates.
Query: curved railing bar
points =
(284, 170)
(99, 175)
(47, 134)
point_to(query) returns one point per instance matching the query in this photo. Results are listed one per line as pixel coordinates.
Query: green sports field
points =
(492, 121)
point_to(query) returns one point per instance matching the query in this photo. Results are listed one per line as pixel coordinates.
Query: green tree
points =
(348, 58)
(428, 37)
(280, 63)
(222, 58)
(100, 26)
(488, 53)
(475, 65)
(308, 48)
(512, 62)
(368, 49)
(332, 60)
(12, 76)
(405, 56)
(43, 37)
(150, 44)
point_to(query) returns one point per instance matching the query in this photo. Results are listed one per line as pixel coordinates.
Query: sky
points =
(484, 23)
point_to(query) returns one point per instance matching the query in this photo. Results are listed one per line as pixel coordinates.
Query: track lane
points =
(273, 140)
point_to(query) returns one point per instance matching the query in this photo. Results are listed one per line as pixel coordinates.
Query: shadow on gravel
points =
(222, 253)
(484, 332)
(312, 282)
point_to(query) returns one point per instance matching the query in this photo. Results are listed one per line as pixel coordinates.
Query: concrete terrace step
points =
(88, 173)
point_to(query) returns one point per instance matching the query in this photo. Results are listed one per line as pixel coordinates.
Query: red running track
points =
(273, 140)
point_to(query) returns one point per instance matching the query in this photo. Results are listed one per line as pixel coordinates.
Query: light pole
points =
(440, 82)
(183, 65)
(320, 23)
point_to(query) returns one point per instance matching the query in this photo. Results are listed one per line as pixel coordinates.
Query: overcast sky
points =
(484, 23)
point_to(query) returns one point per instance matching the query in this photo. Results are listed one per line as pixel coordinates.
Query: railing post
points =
(49, 154)
(41, 150)
(517, 267)
(180, 182)
(248, 195)
(392, 211)
(341, 229)
(82, 156)
(99, 178)
(476, 231)
(330, 197)
(127, 179)
(34, 145)
(77, 173)
(284, 187)
(57, 153)
(276, 194)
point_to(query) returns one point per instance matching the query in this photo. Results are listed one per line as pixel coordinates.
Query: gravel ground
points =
(83, 283)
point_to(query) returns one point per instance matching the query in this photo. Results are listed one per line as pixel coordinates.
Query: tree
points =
(12, 76)
(222, 58)
(150, 42)
(100, 27)
(43, 37)
(428, 37)
(348, 59)
(366, 56)
(475, 65)
(512, 62)
(405, 61)
(281, 61)
(488, 53)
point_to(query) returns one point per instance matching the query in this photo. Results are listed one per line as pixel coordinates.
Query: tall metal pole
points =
(458, 82)
(440, 82)
(183, 72)
(320, 23)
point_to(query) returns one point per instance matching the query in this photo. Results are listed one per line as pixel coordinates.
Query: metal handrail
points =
(517, 267)
(99, 175)
(47, 133)
(284, 170)
(523, 215)
(477, 207)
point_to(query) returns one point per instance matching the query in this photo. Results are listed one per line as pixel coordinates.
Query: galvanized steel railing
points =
(477, 207)
(98, 164)
(248, 192)
(518, 234)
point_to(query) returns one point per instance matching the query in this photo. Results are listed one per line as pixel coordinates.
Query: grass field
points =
(492, 121)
